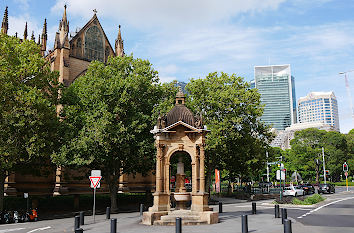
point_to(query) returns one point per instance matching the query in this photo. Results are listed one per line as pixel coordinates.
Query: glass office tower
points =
(277, 89)
(319, 107)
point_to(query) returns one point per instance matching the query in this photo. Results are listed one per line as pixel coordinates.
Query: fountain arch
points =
(179, 131)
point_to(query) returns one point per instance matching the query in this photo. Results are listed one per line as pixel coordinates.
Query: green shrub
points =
(309, 200)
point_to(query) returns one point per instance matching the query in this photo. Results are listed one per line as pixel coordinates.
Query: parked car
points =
(265, 184)
(293, 191)
(326, 188)
(308, 188)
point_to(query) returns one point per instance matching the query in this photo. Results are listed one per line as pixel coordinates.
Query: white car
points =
(293, 191)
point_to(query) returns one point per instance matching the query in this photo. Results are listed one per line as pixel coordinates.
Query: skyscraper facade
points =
(319, 107)
(277, 89)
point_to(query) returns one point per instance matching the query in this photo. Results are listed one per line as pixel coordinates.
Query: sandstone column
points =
(202, 169)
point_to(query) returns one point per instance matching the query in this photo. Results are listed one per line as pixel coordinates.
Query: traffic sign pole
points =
(345, 169)
(94, 204)
(95, 179)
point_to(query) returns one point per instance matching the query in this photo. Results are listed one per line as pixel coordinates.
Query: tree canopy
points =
(231, 110)
(306, 149)
(28, 98)
(108, 117)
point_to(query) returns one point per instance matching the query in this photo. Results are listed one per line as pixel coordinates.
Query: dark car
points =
(308, 188)
(326, 188)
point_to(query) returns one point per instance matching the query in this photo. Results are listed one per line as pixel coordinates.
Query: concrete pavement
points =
(335, 214)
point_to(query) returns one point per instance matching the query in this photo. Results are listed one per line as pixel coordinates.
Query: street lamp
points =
(348, 92)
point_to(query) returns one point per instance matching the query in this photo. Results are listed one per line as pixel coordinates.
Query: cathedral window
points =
(78, 45)
(107, 53)
(94, 49)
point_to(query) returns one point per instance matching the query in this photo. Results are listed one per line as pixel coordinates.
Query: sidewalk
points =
(230, 222)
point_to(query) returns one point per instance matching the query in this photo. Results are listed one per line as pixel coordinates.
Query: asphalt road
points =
(335, 214)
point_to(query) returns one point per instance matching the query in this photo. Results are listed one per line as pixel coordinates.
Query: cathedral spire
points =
(64, 24)
(25, 32)
(32, 36)
(62, 37)
(5, 22)
(119, 47)
(44, 38)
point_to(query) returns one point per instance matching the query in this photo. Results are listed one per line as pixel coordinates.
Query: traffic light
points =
(345, 167)
(327, 172)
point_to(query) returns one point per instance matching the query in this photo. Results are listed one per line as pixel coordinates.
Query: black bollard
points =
(77, 222)
(108, 212)
(276, 213)
(79, 230)
(141, 209)
(178, 225)
(254, 209)
(220, 207)
(284, 215)
(113, 225)
(287, 226)
(244, 223)
(82, 218)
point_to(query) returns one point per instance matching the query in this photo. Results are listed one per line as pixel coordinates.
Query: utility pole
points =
(267, 167)
(324, 166)
(281, 190)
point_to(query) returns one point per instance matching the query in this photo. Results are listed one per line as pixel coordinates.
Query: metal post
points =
(324, 166)
(220, 207)
(141, 209)
(244, 224)
(281, 191)
(254, 210)
(108, 212)
(79, 230)
(82, 218)
(113, 225)
(287, 226)
(178, 225)
(267, 167)
(27, 204)
(77, 222)
(276, 211)
(284, 215)
(94, 205)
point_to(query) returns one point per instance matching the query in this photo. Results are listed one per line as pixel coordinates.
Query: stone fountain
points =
(181, 195)
(180, 131)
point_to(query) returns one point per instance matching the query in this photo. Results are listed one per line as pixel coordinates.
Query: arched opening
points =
(180, 179)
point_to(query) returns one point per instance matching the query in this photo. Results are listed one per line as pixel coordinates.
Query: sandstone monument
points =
(180, 132)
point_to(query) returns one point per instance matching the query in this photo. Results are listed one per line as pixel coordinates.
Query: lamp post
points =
(348, 92)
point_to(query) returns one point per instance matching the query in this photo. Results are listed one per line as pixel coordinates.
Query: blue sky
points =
(190, 38)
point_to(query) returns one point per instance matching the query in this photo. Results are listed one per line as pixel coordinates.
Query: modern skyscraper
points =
(319, 107)
(277, 89)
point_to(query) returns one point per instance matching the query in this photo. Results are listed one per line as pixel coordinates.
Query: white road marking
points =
(40, 229)
(9, 230)
(271, 207)
(318, 208)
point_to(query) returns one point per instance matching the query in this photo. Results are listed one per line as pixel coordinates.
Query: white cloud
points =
(22, 4)
(17, 24)
(157, 13)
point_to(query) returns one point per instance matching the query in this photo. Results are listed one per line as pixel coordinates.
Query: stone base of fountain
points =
(188, 218)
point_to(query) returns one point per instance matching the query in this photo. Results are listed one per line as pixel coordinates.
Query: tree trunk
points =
(113, 189)
(2, 183)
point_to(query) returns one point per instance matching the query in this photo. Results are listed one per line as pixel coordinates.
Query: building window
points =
(94, 49)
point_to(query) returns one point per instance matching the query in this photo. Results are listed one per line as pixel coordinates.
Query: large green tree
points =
(108, 117)
(28, 98)
(306, 150)
(231, 110)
